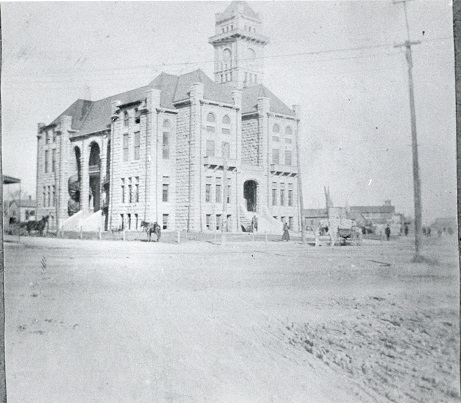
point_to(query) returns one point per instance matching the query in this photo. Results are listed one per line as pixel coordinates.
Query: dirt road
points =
(245, 322)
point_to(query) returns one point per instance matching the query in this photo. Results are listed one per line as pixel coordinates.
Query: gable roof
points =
(250, 97)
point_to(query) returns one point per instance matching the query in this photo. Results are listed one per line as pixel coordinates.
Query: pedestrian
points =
(406, 230)
(286, 234)
(388, 232)
(429, 231)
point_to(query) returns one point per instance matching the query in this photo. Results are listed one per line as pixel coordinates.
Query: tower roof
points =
(235, 8)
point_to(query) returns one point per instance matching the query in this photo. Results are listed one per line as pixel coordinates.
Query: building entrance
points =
(250, 194)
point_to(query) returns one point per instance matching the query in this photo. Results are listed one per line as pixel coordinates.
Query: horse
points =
(37, 225)
(152, 228)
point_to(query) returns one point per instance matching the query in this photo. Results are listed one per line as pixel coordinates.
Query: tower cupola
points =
(239, 46)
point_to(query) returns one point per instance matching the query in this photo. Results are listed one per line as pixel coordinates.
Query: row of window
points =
(211, 124)
(283, 219)
(215, 222)
(127, 117)
(225, 78)
(137, 144)
(47, 160)
(49, 196)
(276, 130)
(276, 156)
(130, 190)
(227, 28)
(218, 192)
(132, 221)
(276, 139)
(211, 149)
(282, 194)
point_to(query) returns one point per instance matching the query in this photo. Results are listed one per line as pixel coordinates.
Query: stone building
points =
(186, 151)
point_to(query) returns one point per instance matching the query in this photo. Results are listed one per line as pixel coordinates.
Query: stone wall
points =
(250, 140)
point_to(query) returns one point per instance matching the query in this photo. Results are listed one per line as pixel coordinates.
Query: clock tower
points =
(239, 46)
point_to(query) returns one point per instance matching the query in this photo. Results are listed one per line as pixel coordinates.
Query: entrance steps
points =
(87, 221)
(266, 223)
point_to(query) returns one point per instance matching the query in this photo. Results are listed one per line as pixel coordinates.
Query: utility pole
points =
(414, 139)
(300, 187)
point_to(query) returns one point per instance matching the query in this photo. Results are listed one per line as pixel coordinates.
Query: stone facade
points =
(184, 151)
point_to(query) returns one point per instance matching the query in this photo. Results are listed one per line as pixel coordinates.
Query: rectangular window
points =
(282, 194)
(125, 147)
(123, 221)
(228, 193)
(136, 191)
(47, 137)
(44, 196)
(218, 191)
(225, 131)
(53, 160)
(165, 221)
(129, 221)
(276, 139)
(54, 136)
(225, 150)
(123, 190)
(288, 157)
(130, 194)
(211, 129)
(137, 145)
(288, 141)
(166, 145)
(274, 193)
(54, 196)
(165, 192)
(290, 222)
(208, 192)
(229, 223)
(218, 221)
(208, 221)
(49, 196)
(275, 156)
(46, 161)
(136, 220)
(210, 148)
(290, 194)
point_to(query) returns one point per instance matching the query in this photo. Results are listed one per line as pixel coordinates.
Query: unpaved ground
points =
(131, 321)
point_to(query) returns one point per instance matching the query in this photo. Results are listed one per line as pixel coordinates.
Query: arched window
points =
(251, 58)
(288, 131)
(211, 123)
(166, 139)
(226, 125)
(276, 128)
(126, 119)
(227, 58)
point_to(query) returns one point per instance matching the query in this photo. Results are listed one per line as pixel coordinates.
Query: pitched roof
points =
(233, 9)
(99, 116)
(250, 97)
(92, 116)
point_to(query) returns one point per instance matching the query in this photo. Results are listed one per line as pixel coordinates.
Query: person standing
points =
(388, 232)
(406, 230)
(286, 234)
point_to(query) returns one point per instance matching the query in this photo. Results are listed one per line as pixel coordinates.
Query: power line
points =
(204, 62)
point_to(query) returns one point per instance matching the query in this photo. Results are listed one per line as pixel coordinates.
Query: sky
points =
(336, 59)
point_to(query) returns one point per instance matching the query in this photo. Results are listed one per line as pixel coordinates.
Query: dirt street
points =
(108, 321)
